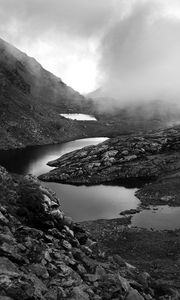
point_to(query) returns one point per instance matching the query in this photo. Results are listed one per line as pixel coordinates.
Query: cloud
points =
(60, 34)
(128, 47)
(35, 17)
(140, 58)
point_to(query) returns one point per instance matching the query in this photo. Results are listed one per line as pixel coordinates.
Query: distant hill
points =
(158, 110)
(31, 100)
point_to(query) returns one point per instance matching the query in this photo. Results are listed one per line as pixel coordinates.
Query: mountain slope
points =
(31, 100)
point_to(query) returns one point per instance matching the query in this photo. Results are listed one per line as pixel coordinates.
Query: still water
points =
(79, 117)
(92, 202)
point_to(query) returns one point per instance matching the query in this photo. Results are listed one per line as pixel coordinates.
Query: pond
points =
(79, 117)
(92, 202)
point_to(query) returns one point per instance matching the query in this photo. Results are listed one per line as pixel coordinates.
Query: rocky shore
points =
(155, 251)
(130, 159)
(45, 255)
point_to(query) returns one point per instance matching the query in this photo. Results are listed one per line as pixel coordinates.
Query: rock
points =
(81, 269)
(66, 245)
(11, 251)
(124, 284)
(55, 293)
(39, 270)
(64, 262)
(92, 277)
(167, 198)
(141, 156)
(68, 221)
(119, 260)
(91, 244)
(130, 157)
(125, 152)
(57, 214)
(8, 268)
(69, 231)
(79, 294)
(3, 219)
(144, 278)
(130, 211)
(86, 250)
(134, 295)
(47, 256)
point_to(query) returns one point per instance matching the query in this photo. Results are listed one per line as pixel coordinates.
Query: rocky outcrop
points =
(45, 255)
(127, 157)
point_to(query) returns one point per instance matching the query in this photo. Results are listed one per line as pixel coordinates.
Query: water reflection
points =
(87, 203)
(94, 202)
(79, 117)
(160, 217)
(34, 159)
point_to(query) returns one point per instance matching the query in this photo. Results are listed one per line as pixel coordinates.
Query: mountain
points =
(31, 100)
(166, 112)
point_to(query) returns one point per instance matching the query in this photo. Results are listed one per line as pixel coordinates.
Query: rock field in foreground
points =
(45, 255)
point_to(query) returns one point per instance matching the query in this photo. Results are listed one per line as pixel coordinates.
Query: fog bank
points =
(140, 59)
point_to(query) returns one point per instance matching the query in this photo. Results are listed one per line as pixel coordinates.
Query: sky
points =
(129, 48)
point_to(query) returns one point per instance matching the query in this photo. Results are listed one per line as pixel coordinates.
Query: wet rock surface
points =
(45, 255)
(153, 157)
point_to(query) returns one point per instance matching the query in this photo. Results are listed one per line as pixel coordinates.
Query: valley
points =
(116, 173)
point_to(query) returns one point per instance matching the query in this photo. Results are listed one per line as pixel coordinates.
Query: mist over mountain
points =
(31, 100)
(139, 60)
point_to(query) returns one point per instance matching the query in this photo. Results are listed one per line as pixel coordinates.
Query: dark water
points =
(87, 203)
(34, 159)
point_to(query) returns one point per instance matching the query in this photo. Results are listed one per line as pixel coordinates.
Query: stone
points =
(167, 198)
(144, 278)
(81, 269)
(92, 277)
(130, 211)
(86, 250)
(10, 250)
(134, 295)
(57, 214)
(119, 260)
(66, 245)
(130, 157)
(100, 271)
(124, 284)
(47, 200)
(8, 268)
(7, 238)
(3, 219)
(79, 294)
(125, 152)
(69, 231)
(68, 221)
(47, 256)
(55, 293)
(39, 270)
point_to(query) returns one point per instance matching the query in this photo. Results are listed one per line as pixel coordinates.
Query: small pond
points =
(79, 117)
(92, 202)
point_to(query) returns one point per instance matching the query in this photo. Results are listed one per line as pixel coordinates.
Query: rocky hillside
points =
(31, 99)
(45, 255)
